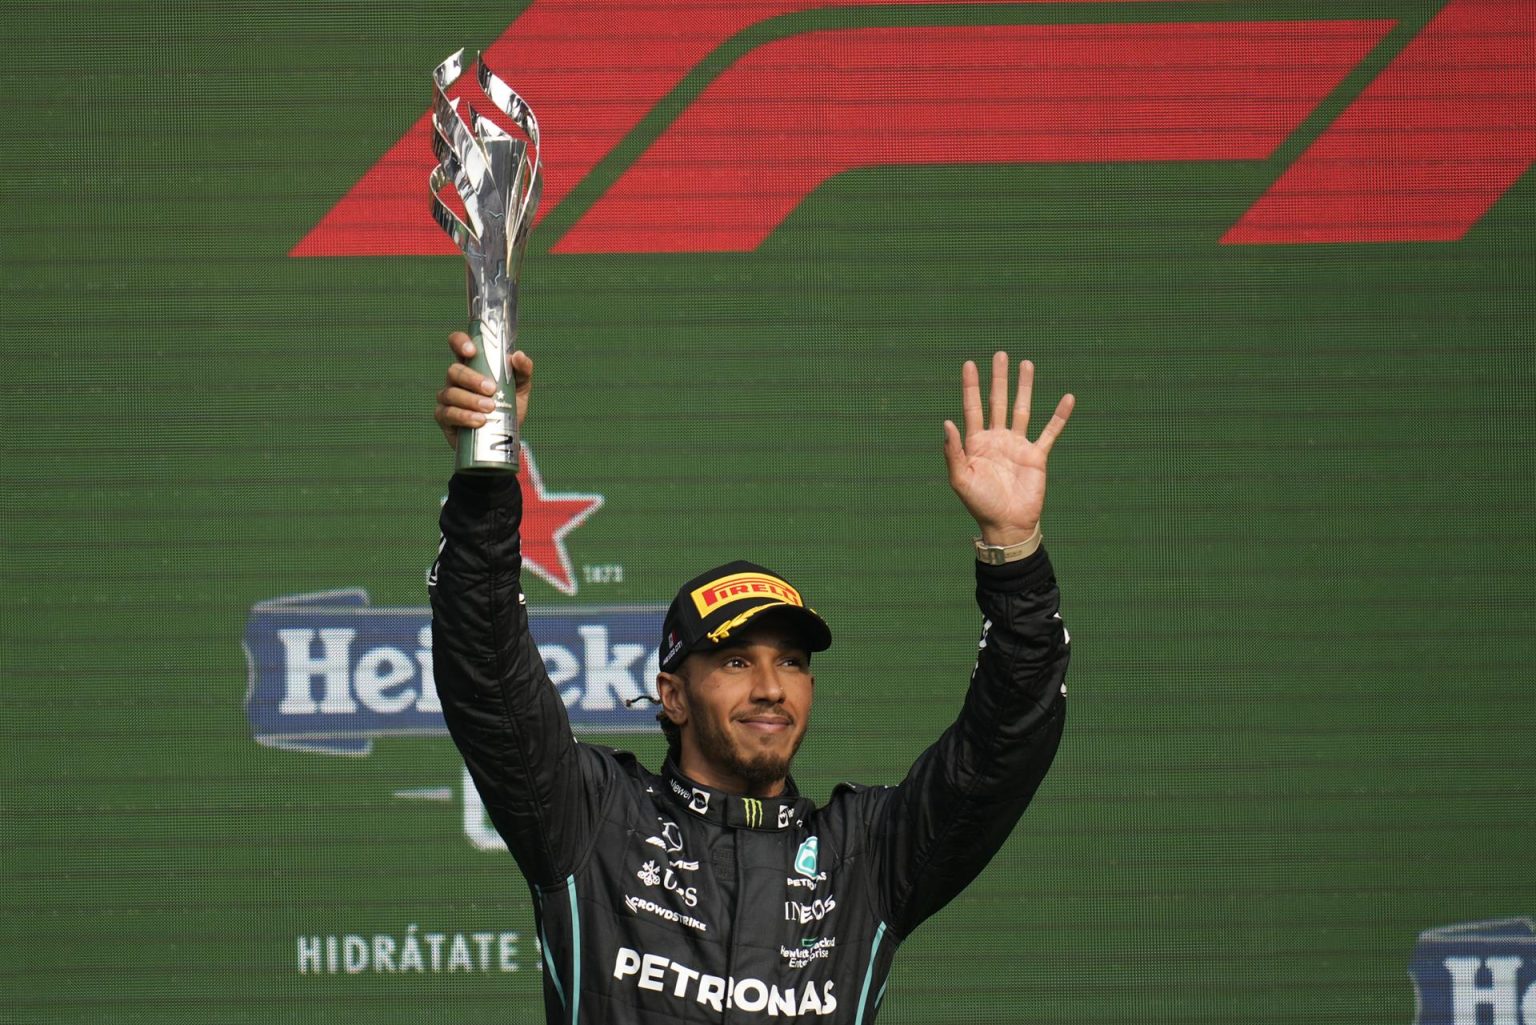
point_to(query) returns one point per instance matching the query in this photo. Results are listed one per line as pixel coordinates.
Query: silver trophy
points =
(496, 175)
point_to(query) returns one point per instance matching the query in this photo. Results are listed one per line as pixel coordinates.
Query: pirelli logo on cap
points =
(742, 585)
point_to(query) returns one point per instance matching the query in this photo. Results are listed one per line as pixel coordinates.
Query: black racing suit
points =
(659, 900)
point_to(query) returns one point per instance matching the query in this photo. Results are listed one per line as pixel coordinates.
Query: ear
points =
(674, 697)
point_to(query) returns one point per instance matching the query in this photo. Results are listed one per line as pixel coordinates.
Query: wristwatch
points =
(997, 555)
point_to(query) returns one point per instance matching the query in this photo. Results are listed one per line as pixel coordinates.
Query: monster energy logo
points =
(754, 810)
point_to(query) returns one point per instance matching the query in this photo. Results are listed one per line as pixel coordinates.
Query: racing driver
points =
(712, 891)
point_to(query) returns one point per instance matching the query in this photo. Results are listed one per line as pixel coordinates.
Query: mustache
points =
(766, 711)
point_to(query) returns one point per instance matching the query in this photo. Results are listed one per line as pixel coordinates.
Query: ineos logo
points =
(804, 914)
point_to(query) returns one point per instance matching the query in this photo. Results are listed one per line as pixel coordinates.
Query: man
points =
(714, 892)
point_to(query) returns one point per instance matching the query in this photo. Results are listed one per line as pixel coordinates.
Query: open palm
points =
(996, 470)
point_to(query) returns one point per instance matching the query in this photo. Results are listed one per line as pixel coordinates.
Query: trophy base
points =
(493, 446)
(490, 448)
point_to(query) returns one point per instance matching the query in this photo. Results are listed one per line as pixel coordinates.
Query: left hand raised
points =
(997, 471)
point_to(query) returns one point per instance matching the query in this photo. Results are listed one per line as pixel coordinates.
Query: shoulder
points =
(851, 808)
(613, 768)
(849, 791)
(624, 761)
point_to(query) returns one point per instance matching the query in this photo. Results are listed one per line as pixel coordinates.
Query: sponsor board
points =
(1476, 973)
(548, 516)
(693, 187)
(443, 951)
(329, 673)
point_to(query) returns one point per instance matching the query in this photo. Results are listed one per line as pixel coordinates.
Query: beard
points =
(759, 769)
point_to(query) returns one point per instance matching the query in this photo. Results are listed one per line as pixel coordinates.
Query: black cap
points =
(711, 606)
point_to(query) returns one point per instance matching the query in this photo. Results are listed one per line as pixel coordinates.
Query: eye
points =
(734, 662)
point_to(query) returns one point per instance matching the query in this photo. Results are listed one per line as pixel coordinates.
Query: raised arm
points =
(539, 786)
(936, 831)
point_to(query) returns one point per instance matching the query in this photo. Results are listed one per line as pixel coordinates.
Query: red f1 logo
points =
(1420, 155)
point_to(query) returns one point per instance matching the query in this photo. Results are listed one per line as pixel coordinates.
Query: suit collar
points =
(769, 814)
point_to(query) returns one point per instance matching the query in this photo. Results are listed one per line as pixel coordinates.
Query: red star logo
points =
(547, 518)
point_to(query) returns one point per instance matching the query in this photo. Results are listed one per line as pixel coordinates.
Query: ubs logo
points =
(665, 874)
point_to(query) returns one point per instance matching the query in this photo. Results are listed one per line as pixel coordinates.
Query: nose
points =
(766, 685)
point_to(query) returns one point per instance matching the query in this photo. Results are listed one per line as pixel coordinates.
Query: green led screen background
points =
(1290, 517)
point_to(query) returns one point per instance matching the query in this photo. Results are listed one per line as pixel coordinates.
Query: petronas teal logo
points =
(805, 858)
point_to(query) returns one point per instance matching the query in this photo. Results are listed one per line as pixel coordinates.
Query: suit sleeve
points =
(540, 787)
(935, 832)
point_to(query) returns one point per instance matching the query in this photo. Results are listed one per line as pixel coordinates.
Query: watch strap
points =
(998, 555)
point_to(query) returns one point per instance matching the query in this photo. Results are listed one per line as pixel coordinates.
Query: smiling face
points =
(742, 710)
